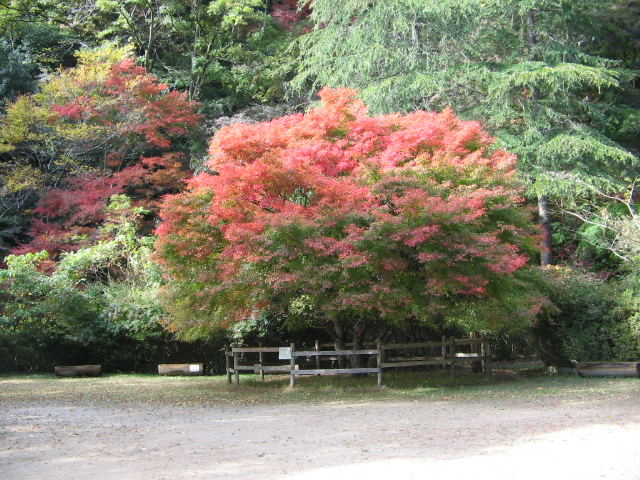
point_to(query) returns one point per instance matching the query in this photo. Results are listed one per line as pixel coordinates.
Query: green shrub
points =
(587, 323)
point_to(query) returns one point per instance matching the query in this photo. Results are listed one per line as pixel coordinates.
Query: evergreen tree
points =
(533, 71)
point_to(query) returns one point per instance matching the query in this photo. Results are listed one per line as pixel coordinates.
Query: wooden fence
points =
(334, 358)
(450, 353)
(331, 371)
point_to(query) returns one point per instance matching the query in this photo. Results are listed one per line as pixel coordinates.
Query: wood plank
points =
(256, 349)
(471, 341)
(236, 372)
(413, 345)
(324, 353)
(78, 371)
(412, 359)
(257, 367)
(227, 362)
(174, 369)
(416, 364)
(348, 344)
(292, 361)
(272, 368)
(329, 371)
(379, 363)
(608, 369)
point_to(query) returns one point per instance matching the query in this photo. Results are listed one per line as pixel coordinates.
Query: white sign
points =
(284, 353)
(194, 368)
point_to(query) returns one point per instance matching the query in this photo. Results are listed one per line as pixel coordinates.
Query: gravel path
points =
(499, 439)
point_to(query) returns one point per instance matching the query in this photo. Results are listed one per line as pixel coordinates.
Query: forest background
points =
(108, 107)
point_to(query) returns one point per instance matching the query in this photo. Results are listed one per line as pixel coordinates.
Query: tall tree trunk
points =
(546, 256)
(149, 54)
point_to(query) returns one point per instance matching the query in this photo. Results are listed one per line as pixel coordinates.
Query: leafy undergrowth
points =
(521, 382)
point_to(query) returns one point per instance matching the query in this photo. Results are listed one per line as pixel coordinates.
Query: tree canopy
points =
(102, 128)
(338, 216)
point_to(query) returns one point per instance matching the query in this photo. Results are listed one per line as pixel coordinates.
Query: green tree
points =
(590, 320)
(101, 128)
(208, 48)
(229, 53)
(533, 71)
(93, 304)
(34, 41)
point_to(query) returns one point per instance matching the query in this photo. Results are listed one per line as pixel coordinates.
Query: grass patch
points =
(527, 382)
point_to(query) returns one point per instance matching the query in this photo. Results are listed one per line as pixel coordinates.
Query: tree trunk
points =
(546, 256)
(337, 330)
(149, 54)
(359, 331)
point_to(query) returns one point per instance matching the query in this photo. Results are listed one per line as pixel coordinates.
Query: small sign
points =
(284, 353)
(194, 368)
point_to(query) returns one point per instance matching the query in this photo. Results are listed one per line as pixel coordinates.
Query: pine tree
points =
(532, 71)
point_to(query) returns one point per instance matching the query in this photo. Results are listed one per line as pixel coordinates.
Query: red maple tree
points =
(116, 127)
(337, 215)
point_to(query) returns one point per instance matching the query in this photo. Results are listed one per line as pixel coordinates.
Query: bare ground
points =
(489, 438)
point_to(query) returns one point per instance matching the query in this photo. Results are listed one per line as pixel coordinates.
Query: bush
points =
(587, 323)
(99, 305)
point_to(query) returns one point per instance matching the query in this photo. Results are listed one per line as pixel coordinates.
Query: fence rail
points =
(449, 354)
(479, 353)
(336, 353)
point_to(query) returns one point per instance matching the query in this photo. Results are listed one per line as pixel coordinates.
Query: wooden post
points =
(452, 352)
(444, 352)
(261, 361)
(379, 345)
(318, 356)
(292, 380)
(483, 354)
(227, 361)
(477, 366)
(236, 372)
(488, 351)
(341, 358)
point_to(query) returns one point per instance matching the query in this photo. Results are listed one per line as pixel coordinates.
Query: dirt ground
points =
(480, 439)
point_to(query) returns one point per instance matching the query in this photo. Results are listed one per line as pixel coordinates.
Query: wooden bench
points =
(175, 369)
(79, 371)
(608, 369)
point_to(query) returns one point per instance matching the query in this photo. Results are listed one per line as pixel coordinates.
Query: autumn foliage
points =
(105, 127)
(289, 13)
(334, 213)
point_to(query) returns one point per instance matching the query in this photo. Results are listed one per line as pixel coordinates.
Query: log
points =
(608, 369)
(79, 371)
(181, 369)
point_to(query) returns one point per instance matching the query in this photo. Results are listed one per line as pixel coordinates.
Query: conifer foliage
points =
(338, 214)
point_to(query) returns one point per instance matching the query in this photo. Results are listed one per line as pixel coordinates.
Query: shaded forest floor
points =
(521, 424)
